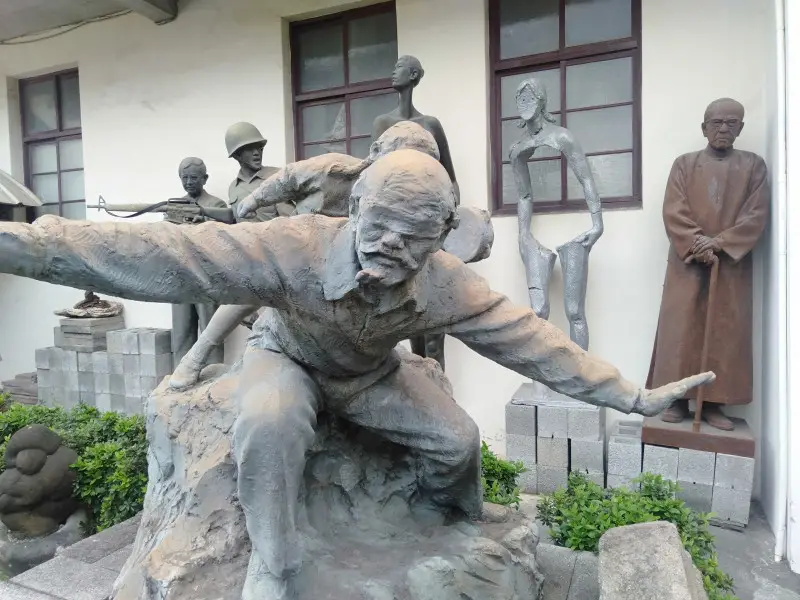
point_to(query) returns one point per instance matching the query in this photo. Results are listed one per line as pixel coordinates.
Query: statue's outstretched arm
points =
(151, 262)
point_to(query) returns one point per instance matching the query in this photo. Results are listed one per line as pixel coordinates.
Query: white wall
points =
(151, 95)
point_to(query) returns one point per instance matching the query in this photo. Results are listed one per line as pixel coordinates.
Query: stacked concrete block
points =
(661, 460)
(521, 442)
(586, 432)
(624, 455)
(733, 488)
(138, 359)
(696, 478)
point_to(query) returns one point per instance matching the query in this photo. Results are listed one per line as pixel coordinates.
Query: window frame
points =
(560, 59)
(345, 93)
(54, 135)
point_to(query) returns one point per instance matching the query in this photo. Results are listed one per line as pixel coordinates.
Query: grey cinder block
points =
(132, 365)
(58, 337)
(696, 466)
(57, 379)
(621, 481)
(731, 505)
(71, 381)
(85, 362)
(43, 378)
(134, 405)
(88, 398)
(586, 455)
(133, 385)
(70, 398)
(661, 460)
(550, 479)
(155, 341)
(103, 401)
(520, 418)
(69, 360)
(102, 383)
(527, 480)
(734, 472)
(118, 403)
(551, 421)
(43, 358)
(130, 341)
(521, 447)
(552, 452)
(116, 365)
(85, 381)
(586, 424)
(117, 384)
(148, 384)
(115, 341)
(624, 456)
(100, 362)
(696, 495)
(160, 365)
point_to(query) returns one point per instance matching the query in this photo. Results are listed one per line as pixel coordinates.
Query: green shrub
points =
(499, 478)
(112, 456)
(579, 515)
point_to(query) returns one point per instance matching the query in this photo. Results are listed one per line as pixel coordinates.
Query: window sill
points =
(572, 206)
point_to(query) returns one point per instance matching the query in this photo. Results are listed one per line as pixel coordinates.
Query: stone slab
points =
(92, 325)
(105, 543)
(520, 419)
(550, 479)
(661, 460)
(739, 442)
(585, 584)
(586, 424)
(731, 506)
(552, 452)
(696, 495)
(557, 565)
(624, 456)
(696, 466)
(733, 472)
(115, 561)
(521, 447)
(69, 579)
(11, 591)
(586, 455)
(551, 422)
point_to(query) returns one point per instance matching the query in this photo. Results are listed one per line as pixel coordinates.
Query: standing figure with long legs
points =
(574, 255)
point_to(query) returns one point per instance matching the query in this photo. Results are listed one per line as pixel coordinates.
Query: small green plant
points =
(5, 400)
(499, 478)
(111, 470)
(579, 515)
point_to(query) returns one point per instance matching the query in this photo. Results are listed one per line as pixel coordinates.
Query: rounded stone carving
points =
(36, 487)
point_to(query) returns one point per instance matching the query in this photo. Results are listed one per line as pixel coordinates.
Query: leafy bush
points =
(579, 515)
(112, 456)
(499, 478)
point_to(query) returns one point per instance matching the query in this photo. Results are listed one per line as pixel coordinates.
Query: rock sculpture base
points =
(361, 538)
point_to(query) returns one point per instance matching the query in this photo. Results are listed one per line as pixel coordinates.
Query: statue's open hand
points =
(247, 207)
(653, 402)
(589, 238)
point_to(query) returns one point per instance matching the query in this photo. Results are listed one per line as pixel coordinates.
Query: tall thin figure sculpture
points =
(574, 255)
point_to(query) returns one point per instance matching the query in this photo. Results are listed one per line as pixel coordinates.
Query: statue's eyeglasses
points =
(717, 123)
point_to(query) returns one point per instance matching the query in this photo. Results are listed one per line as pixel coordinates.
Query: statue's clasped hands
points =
(703, 250)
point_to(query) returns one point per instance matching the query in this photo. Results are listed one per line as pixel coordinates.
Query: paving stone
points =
(520, 419)
(43, 378)
(733, 472)
(132, 365)
(69, 579)
(102, 383)
(116, 364)
(10, 591)
(696, 466)
(696, 495)
(731, 505)
(586, 424)
(624, 456)
(621, 481)
(550, 479)
(661, 460)
(85, 381)
(100, 362)
(521, 447)
(103, 401)
(133, 384)
(43, 358)
(105, 543)
(586, 455)
(527, 480)
(551, 421)
(558, 566)
(155, 341)
(158, 365)
(115, 562)
(552, 452)
(117, 384)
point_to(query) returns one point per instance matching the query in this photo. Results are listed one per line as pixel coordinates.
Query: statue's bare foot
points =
(260, 584)
(186, 374)
(714, 417)
(677, 413)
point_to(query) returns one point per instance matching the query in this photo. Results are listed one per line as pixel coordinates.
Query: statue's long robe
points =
(726, 199)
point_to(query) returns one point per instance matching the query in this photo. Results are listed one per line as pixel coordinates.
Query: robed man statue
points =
(716, 205)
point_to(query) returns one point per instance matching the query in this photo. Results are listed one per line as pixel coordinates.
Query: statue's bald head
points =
(722, 123)
(405, 135)
(193, 174)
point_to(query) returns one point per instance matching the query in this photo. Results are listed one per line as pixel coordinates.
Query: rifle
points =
(167, 206)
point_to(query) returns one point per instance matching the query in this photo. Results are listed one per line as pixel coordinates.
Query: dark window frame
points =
(561, 59)
(55, 135)
(345, 93)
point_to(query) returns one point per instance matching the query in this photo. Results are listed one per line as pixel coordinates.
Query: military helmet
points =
(240, 135)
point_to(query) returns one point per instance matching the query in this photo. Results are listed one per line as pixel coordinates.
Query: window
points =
(342, 67)
(587, 53)
(51, 133)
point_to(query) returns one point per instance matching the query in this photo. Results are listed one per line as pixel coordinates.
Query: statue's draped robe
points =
(726, 199)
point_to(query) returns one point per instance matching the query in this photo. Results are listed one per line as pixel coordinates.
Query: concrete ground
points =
(747, 556)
